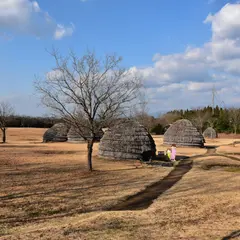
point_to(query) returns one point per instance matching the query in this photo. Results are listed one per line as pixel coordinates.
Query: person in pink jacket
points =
(173, 152)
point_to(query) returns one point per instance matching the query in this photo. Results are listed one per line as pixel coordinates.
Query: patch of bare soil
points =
(229, 149)
(229, 135)
(56, 152)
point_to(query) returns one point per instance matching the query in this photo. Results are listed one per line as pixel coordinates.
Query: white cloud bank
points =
(186, 79)
(26, 17)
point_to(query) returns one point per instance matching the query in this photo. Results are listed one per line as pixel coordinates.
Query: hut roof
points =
(183, 133)
(57, 133)
(127, 140)
(210, 133)
(74, 135)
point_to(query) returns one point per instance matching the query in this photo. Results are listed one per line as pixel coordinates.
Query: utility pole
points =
(213, 98)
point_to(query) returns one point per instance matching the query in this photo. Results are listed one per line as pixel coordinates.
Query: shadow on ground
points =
(144, 199)
(234, 234)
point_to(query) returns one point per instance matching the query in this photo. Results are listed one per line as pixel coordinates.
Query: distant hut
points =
(210, 133)
(57, 133)
(127, 140)
(75, 136)
(183, 133)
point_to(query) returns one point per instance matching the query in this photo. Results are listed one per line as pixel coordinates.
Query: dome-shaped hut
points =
(127, 140)
(183, 133)
(75, 136)
(210, 133)
(57, 133)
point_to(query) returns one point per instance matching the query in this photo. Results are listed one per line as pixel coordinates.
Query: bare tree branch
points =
(200, 118)
(234, 118)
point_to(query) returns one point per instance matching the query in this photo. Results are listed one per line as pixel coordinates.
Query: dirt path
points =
(145, 198)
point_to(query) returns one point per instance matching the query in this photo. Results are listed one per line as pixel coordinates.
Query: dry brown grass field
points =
(46, 193)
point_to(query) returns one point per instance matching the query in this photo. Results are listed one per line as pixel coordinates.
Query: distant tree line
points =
(224, 120)
(31, 122)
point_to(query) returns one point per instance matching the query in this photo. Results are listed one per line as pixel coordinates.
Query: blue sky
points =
(178, 53)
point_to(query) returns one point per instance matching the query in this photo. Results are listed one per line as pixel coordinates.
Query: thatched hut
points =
(183, 133)
(210, 133)
(74, 135)
(57, 133)
(127, 140)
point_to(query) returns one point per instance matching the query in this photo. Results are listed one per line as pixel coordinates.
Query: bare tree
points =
(234, 118)
(139, 112)
(200, 118)
(88, 93)
(146, 120)
(6, 110)
(168, 118)
(212, 121)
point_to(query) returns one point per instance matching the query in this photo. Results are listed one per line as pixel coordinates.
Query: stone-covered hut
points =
(127, 140)
(57, 133)
(183, 133)
(210, 133)
(74, 135)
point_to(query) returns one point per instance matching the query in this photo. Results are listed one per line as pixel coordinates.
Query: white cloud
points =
(26, 17)
(181, 79)
(192, 65)
(36, 7)
(225, 23)
(62, 31)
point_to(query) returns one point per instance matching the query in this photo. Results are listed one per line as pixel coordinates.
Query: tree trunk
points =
(4, 135)
(235, 129)
(90, 149)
